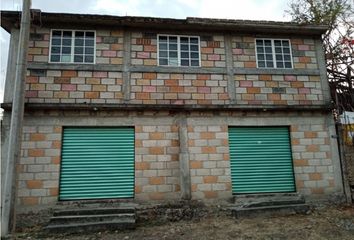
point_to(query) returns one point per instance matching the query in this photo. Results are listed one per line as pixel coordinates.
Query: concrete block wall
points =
(209, 161)
(303, 52)
(144, 49)
(266, 89)
(38, 46)
(109, 49)
(156, 162)
(109, 46)
(38, 171)
(243, 52)
(206, 85)
(178, 89)
(212, 50)
(70, 86)
(127, 72)
(313, 165)
(157, 174)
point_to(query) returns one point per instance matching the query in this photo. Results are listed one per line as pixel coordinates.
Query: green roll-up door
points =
(261, 160)
(97, 163)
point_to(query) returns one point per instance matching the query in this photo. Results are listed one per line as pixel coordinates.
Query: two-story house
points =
(163, 109)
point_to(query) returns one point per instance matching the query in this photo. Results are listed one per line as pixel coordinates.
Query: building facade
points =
(163, 109)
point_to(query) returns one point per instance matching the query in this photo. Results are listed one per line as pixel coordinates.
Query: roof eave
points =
(10, 19)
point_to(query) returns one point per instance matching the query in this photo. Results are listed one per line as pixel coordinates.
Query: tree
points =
(338, 43)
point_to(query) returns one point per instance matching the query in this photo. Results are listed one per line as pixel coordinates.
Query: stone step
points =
(121, 224)
(55, 220)
(78, 220)
(271, 210)
(263, 200)
(94, 211)
(275, 202)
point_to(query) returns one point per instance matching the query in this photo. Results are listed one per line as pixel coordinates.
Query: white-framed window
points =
(72, 46)
(273, 53)
(178, 50)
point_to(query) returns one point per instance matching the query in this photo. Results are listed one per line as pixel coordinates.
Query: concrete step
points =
(79, 220)
(90, 218)
(273, 202)
(93, 211)
(270, 210)
(263, 200)
(249, 205)
(92, 226)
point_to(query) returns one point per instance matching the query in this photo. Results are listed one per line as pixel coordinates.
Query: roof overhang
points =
(11, 19)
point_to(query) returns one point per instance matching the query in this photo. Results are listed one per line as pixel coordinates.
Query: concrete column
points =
(126, 65)
(229, 68)
(323, 71)
(184, 160)
(338, 181)
(8, 97)
(15, 135)
(11, 66)
(5, 131)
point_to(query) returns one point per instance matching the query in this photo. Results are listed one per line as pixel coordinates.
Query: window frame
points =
(178, 50)
(72, 47)
(273, 52)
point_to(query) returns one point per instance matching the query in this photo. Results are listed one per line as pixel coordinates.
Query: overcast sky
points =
(232, 9)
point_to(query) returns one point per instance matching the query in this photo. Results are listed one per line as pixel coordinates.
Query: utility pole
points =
(15, 137)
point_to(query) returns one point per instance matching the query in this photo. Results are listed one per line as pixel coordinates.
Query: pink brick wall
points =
(144, 49)
(213, 52)
(109, 46)
(169, 88)
(244, 54)
(38, 50)
(109, 50)
(74, 87)
(278, 90)
(152, 88)
(303, 52)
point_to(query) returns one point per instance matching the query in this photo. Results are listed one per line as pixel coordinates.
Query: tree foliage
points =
(338, 43)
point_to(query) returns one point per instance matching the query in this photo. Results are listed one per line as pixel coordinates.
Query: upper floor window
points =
(69, 46)
(273, 53)
(178, 50)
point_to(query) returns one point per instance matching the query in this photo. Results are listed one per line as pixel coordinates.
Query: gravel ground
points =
(335, 223)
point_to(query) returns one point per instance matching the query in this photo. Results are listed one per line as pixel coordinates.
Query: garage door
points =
(97, 163)
(261, 160)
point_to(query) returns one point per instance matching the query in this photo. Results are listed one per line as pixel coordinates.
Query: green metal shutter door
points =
(261, 160)
(97, 163)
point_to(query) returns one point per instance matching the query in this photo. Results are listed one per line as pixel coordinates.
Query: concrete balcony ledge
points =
(166, 107)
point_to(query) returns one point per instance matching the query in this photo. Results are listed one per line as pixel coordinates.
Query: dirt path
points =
(335, 223)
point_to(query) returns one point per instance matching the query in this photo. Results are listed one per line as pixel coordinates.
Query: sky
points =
(230, 9)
